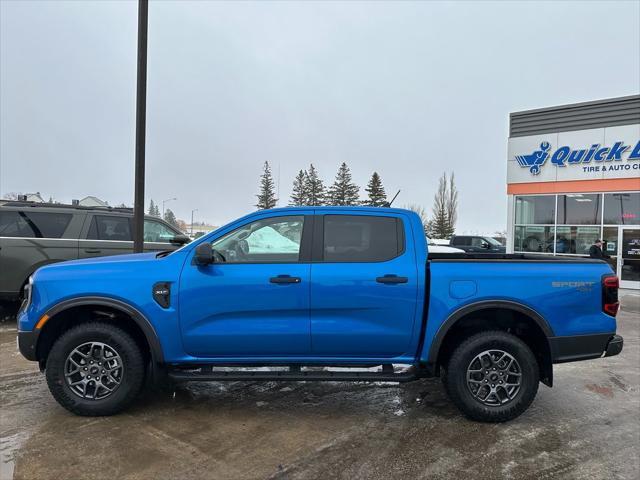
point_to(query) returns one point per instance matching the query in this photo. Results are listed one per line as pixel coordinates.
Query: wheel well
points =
(517, 323)
(72, 316)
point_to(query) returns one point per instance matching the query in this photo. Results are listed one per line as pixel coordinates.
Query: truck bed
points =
(508, 257)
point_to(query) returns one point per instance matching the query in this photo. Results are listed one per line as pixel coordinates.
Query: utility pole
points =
(194, 210)
(141, 120)
(165, 201)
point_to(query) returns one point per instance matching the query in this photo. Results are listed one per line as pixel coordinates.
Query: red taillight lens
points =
(611, 282)
(610, 304)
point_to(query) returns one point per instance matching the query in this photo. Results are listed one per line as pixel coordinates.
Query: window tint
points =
(33, 224)
(461, 241)
(359, 238)
(478, 241)
(275, 239)
(538, 209)
(533, 239)
(157, 232)
(109, 228)
(622, 208)
(579, 209)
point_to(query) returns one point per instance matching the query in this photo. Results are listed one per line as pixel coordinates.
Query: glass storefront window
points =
(538, 209)
(622, 208)
(533, 239)
(610, 238)
(579, 209)
(575, 239)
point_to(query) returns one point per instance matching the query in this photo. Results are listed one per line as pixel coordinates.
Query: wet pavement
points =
(587, 426)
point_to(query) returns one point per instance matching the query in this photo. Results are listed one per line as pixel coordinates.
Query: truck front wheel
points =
(492, 376)
(95, 369)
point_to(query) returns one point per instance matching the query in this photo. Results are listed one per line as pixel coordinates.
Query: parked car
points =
(36, 234)
(477, 244)
(275, 293)
(439, 248)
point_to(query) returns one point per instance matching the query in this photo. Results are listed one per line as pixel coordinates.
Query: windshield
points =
(493, 241)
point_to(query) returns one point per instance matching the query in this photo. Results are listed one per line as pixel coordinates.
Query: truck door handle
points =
(285, 279)
(91, 250)
(392, 279)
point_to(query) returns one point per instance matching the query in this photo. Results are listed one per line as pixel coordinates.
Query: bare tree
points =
(452, 203)
(445, 209)
(422, 213)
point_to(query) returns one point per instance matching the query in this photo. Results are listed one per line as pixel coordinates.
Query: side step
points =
(294, 374)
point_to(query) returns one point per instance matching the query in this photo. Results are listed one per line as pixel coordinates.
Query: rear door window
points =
(461, 241)
(362, 238)
(33, 224)
(105, 227)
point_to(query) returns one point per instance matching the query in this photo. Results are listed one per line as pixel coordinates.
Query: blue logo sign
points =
(564, 156)
(536, 159)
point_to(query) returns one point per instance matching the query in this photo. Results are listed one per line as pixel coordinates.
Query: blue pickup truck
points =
(279, 293)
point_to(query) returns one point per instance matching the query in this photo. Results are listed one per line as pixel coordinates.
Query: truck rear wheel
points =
(492, 377)
(95, 369)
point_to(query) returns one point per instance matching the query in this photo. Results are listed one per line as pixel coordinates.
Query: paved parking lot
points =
(588, 426)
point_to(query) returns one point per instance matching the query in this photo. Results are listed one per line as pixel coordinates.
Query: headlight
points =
(28, 290)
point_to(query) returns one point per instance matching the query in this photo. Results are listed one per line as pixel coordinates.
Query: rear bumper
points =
(614, 347)
(584, 347)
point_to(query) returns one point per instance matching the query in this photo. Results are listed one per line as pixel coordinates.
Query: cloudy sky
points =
(408, 89)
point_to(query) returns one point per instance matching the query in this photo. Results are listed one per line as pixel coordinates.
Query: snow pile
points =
(268, 239)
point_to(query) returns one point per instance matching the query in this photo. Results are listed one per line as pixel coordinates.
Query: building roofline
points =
(578, 104)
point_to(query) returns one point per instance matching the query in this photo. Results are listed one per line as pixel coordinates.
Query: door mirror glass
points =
(204, 254)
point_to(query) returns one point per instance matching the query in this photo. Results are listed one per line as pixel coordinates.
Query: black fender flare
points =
(141, 321)
(436, 343)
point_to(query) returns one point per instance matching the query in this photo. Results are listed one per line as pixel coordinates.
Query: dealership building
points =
(573, 176)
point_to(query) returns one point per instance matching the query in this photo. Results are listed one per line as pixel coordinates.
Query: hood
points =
(129, 257)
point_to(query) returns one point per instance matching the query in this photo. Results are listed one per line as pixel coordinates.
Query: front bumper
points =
(27, 342)
(585, 347)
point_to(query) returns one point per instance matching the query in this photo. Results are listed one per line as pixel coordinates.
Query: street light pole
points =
(141, 120)
(165, 201)
(194, 210)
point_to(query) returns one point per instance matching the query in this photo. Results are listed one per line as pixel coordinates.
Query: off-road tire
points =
(132, 360)
(454, 377)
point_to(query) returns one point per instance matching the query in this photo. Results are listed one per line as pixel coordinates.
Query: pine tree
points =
(343, 191)
(266, 197)
(375, 190)
(299, 194)
(152, 207)
(170, 218)
(156, 212)
(316, 195)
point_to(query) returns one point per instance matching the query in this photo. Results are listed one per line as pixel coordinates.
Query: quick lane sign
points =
(596, 158)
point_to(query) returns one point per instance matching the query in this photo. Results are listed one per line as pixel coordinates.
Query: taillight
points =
(610, 303)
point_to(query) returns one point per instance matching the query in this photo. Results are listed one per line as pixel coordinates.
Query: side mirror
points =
(204, 254)
(180, 240)
(485, 245)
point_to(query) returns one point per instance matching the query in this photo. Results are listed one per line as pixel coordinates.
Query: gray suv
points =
(36, 234)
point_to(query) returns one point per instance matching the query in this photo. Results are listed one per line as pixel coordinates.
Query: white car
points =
(443, 249)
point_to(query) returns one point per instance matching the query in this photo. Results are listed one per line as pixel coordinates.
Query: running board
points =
(294, 374)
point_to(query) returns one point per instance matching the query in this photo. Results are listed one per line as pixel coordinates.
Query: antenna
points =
(388, 204)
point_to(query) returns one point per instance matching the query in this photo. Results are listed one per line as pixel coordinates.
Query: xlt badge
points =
(161, 292)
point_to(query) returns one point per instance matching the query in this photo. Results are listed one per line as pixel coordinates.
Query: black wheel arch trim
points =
(147, 329)
(436, 343)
